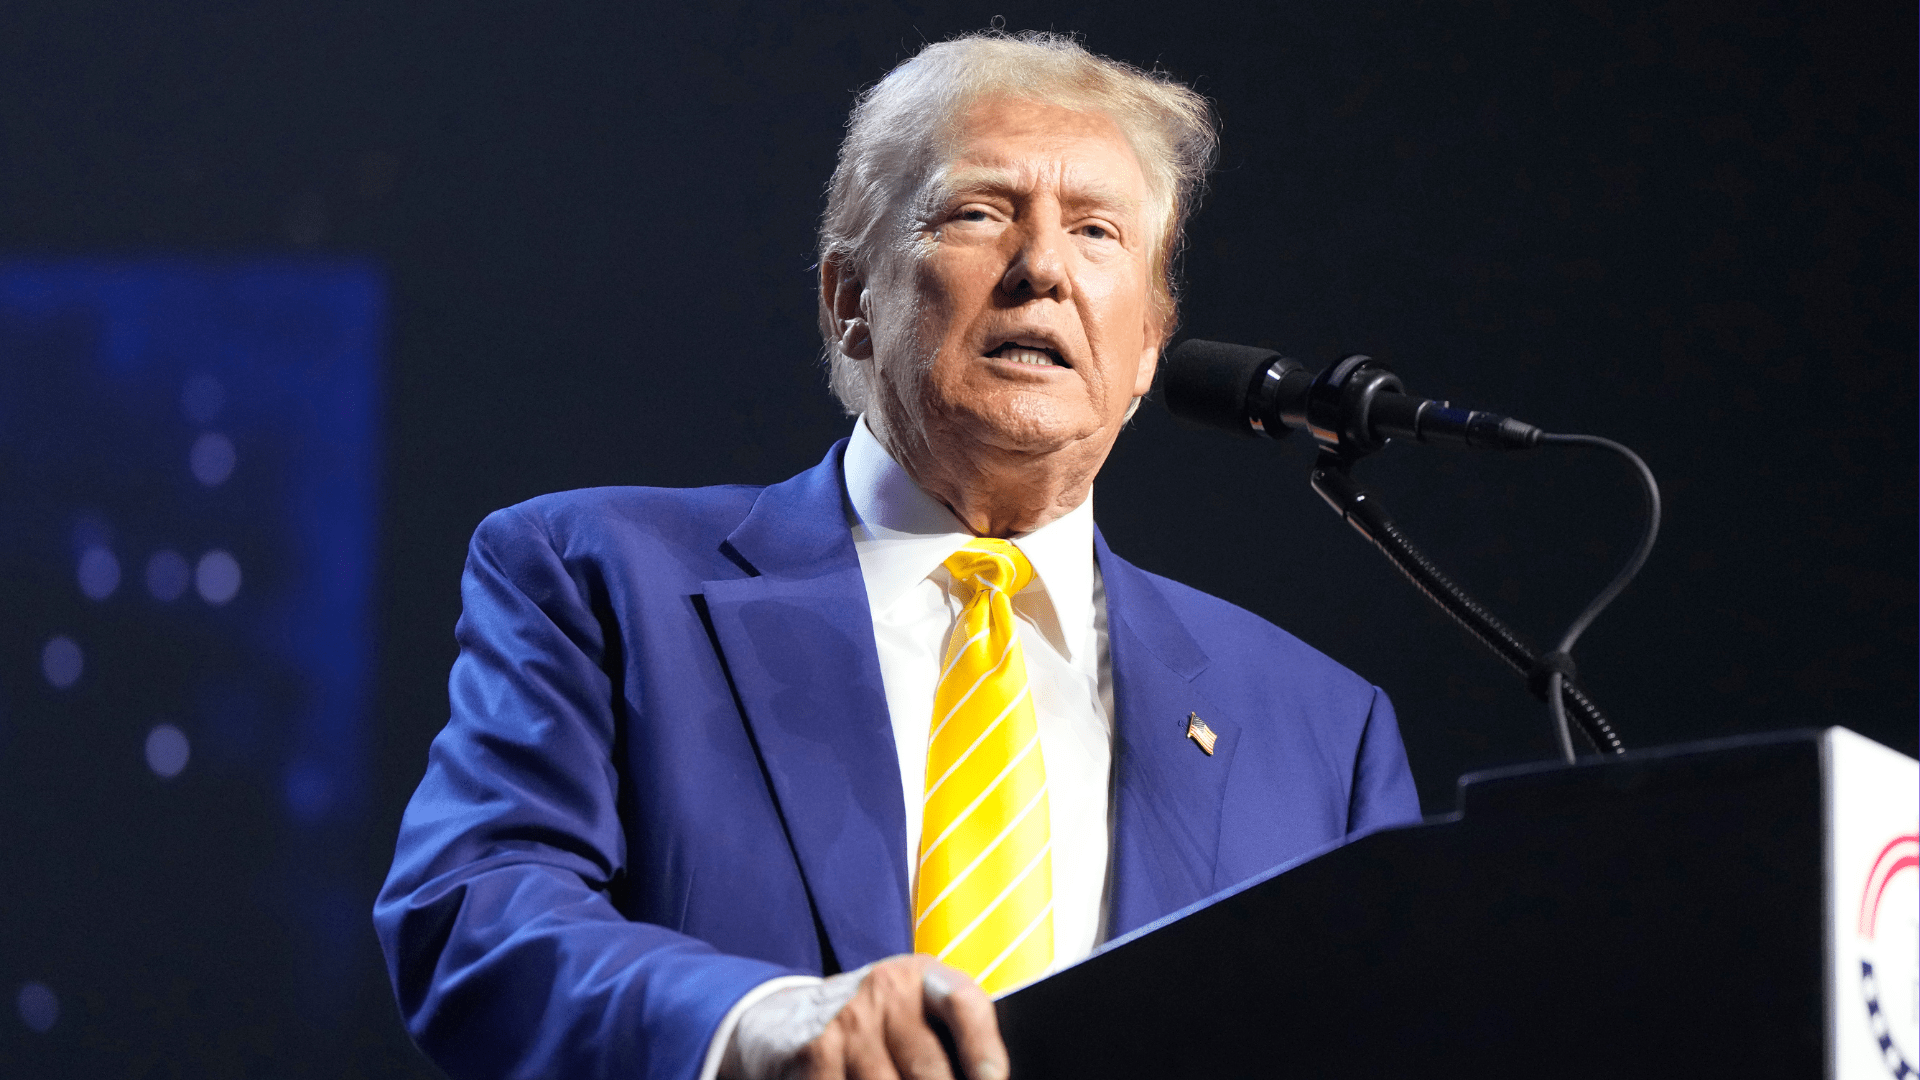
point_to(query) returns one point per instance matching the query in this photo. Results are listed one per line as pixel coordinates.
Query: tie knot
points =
(991, 563)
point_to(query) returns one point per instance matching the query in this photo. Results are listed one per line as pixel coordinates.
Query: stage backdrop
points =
(576, 245)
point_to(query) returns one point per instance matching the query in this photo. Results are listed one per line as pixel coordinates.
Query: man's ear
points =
(1149, 363)
(844, 296)
(1149, 358)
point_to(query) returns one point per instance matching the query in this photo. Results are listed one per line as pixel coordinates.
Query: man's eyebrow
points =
(971, 181)
(1003, 182)
(1101, 197)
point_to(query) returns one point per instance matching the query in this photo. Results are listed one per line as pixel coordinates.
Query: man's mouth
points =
(1028, 354)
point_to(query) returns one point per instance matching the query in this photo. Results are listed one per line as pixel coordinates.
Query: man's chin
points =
(1034, 429)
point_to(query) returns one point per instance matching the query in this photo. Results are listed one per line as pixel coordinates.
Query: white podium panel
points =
(1873, 908)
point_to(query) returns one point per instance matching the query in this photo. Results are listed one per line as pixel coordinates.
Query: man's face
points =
(1018, 317)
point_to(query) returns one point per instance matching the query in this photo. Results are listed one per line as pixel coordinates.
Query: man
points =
(902, 721)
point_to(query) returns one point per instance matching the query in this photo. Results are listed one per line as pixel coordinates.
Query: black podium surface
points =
(1656, 914)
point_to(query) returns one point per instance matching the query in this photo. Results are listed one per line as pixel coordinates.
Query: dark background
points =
(1689, 227)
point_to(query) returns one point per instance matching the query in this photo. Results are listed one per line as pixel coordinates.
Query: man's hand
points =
(870, 1024)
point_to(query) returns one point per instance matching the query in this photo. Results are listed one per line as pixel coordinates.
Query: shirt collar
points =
(903, 534)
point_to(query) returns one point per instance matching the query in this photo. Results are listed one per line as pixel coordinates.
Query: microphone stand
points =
(1354, 408)
(1333, 481)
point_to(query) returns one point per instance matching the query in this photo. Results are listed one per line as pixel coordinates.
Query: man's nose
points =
(1038, 267)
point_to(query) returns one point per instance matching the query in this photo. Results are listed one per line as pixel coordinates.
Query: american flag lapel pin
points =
(1200, 733)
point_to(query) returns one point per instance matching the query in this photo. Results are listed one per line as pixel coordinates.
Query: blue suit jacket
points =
(670, 775)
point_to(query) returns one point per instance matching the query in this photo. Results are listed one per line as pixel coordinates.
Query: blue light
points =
(99, 572)
(167, 575)
(212, 458)
(39, 1007)
(61, 662)
(217, 578)
(204, 431)
(167, 751)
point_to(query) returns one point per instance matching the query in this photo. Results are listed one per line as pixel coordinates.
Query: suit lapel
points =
(797, 640)
(1167, 792)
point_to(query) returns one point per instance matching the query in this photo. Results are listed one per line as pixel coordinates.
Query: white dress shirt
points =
(903, 536)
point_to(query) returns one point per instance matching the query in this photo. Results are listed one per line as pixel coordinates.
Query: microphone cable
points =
(1558, 664)
(1550, 676)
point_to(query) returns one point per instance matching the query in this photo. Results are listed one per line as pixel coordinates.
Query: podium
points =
(1737, 908)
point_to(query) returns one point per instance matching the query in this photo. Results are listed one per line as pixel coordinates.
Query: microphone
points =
(1351, 408)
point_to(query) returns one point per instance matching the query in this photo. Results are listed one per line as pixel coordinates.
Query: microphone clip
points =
(1340, 406)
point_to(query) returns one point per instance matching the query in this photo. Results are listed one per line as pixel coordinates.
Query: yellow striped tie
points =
(984, 898)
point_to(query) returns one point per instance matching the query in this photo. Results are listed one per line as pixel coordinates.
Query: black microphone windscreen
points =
(1207, 382)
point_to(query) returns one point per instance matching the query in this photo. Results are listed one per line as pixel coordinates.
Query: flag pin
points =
(1200, 733)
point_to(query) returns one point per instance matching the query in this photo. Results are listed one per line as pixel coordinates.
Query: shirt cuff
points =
(717, 1049)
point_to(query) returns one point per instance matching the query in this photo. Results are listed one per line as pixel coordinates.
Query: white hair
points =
(903, 126)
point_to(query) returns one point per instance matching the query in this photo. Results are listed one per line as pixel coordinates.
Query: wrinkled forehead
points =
(1009, 143)
(1013, 146)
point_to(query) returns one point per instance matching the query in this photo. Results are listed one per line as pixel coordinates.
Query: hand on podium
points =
(870, 1024)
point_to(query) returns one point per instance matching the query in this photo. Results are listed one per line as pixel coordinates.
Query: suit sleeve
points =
(1383, 793)
(508, 956)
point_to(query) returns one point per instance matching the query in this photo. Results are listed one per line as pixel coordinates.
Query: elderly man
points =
(902, 722)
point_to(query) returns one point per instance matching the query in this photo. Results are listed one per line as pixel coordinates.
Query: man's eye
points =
(972, 214)
(1098, 232)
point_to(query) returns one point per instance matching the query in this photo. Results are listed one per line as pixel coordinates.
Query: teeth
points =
(1020, 355)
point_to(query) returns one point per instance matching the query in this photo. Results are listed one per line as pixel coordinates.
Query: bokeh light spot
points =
(99, 573)
(168, 575)
(217, 578)
(202, 398)
(212, 458)
(167, 751)
(39, 1007)
(61, 662)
